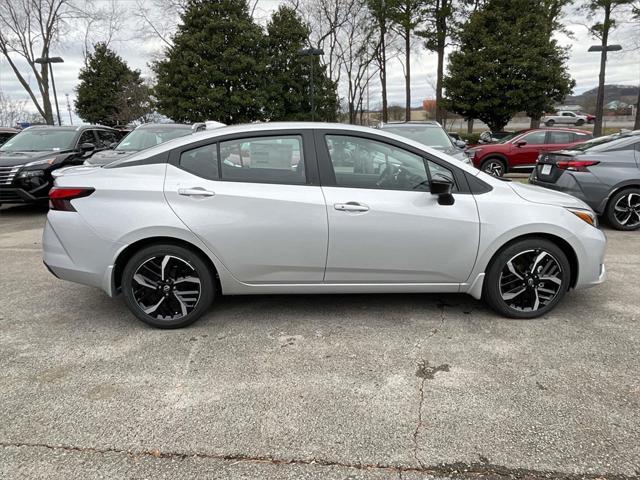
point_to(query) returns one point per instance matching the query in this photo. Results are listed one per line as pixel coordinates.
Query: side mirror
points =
(443, 189)
(87, 148)
(113, 145)
(521, 143)
(460, 143)
(486, 137)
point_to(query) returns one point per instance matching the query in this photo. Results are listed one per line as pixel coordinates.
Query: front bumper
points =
(20, 195)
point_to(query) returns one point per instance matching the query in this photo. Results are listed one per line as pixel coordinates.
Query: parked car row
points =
(29, 159)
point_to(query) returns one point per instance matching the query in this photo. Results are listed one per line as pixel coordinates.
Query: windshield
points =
(41, 139)
(430, 136)
(511, 136)
(149, 137)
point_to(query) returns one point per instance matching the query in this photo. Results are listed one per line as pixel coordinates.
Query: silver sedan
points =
(313, 208)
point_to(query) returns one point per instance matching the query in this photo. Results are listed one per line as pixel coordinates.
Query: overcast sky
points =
(622, 68)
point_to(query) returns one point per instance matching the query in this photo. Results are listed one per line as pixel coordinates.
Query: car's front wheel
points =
(527, 279)
(167, 286)
(623, 210)
(494, 166)
(579, 123)
(550, 123)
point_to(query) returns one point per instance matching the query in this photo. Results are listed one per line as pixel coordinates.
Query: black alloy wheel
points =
(167, 286)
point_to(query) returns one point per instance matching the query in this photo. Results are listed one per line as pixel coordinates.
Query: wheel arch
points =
(565, 246)
(627, 184)
(131, 249)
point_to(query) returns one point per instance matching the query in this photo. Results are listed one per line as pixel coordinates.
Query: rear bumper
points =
(86, 259)
(567, 183)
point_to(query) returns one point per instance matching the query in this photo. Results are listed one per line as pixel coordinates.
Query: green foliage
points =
(505, 65)
(470, 138)
(289, 74)
(109, 92)
(215, 69)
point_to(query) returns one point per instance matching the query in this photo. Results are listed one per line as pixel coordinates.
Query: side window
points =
(264, 160)
(87, 137)
(560, 137)
(106, 138)
(201, 161)
(567, 114)
(364, 163)
(534, 138)
(582, 137)
(438, 172)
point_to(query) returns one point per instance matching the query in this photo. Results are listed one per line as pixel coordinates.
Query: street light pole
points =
(312, 52)
(50, 60)
(603, 49)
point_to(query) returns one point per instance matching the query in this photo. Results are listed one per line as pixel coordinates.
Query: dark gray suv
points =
(605, 173)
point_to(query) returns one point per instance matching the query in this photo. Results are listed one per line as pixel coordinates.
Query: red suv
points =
(520, 150)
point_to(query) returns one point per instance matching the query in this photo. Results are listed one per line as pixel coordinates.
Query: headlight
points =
(585, 215)
(30, 173)
(46, 161)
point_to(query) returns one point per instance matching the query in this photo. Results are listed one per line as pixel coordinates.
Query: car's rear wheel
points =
(494, 166)
(167, 286)
(550, 123)
(623, 210)
(527, 279)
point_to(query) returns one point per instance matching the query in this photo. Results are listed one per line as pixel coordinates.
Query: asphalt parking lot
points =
(331, 387)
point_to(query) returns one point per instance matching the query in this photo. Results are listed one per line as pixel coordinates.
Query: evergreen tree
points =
(289, 74)
(215, 69)
(109, 92)
(505, 65)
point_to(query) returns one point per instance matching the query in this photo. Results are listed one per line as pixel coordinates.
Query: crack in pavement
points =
(422, 372)
(452, 470)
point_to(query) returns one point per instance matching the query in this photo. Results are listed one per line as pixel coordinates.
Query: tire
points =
(154, 296)
(579, 123)
(623, 210)
(494, 166)
(550, 123)
(512, 290)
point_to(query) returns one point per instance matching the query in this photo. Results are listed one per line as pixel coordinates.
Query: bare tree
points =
(356, 45)
(13, 112)
(28, 30)
(102, 20)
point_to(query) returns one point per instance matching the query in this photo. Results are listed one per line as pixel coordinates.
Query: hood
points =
(535, 194)
(11, 159)
(107, 156)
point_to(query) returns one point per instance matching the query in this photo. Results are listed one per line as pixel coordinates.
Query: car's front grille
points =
(7, 174)
(10, 196)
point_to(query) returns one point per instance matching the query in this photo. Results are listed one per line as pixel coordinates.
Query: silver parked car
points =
(313, 208)
(432, 135)
(604, 173)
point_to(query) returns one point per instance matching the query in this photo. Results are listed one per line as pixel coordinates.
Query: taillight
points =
(576, 165)
(60, 197)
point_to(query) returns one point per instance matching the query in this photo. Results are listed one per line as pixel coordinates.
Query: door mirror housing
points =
(460, 143)
(87, 149)
(521, 143)
(443, 189)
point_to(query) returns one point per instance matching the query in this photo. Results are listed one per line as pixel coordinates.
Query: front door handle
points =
(195, 192)
(351, 207)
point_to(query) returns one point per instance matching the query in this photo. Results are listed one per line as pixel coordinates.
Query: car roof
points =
(164, 125)
(76, 128)
(552, 129)
(412, 123)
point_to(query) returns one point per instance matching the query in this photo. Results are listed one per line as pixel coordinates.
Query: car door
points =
(525, 150)
(567, 117)
(256, 203)
(384, 225)
(87, 136)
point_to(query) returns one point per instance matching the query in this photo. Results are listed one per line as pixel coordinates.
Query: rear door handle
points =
(195, 192)
(351, 207)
